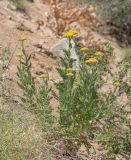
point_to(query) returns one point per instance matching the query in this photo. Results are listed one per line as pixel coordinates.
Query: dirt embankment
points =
(40, 23)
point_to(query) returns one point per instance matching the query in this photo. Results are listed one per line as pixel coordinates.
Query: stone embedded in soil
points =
(62, 45)
(38, 72)
(39, 46)
(49, 54)
(9, 17)
(38, 50)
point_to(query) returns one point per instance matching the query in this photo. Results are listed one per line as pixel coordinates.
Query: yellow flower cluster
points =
(117, 84)
(22, 38)
(70, 72)
(70, 34)
(85, 49)
(44, 76)
(91, 60)
(47, 68)
(99, 54)
(20, 54)
(70, 69)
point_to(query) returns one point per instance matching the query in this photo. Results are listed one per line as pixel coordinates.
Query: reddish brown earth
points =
(41, 37)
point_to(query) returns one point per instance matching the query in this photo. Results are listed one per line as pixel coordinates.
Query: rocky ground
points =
(33, 24)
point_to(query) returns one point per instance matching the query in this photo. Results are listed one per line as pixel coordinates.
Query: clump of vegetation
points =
(85, 113)
(18, 137)
(19, 5)
(35, 99)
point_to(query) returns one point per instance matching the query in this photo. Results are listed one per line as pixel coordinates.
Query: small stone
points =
(41, 65)
(16, 99)
(9, 17)
(39, 72)
(38, 45)
(42, 50)
(38, 50)
(49, 53)
(22, 27)
(62, 45)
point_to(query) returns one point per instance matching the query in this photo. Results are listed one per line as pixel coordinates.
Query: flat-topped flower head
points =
(20, 54)
(85, 49)
(46, 68)
(99, 54)
(117, 84)
(70, 34)
(22, 38)
(70, 74)
(70, 69)
(91, 60)
(44, 76)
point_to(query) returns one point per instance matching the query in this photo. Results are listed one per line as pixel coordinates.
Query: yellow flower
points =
(44, 76)
(70, 69)
(20, 54)
(70, 74)
(99, 54)
(91, 60)
(70, 34)
(84, 49)
(22, 38)
(117, 84)
(46, 67)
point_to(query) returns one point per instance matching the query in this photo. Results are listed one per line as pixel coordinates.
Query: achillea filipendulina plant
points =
(81, 104)
(78, 105)
(86, 113)
(35, 99)
(26, 80)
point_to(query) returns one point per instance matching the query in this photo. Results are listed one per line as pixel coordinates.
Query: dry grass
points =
(19, 133)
